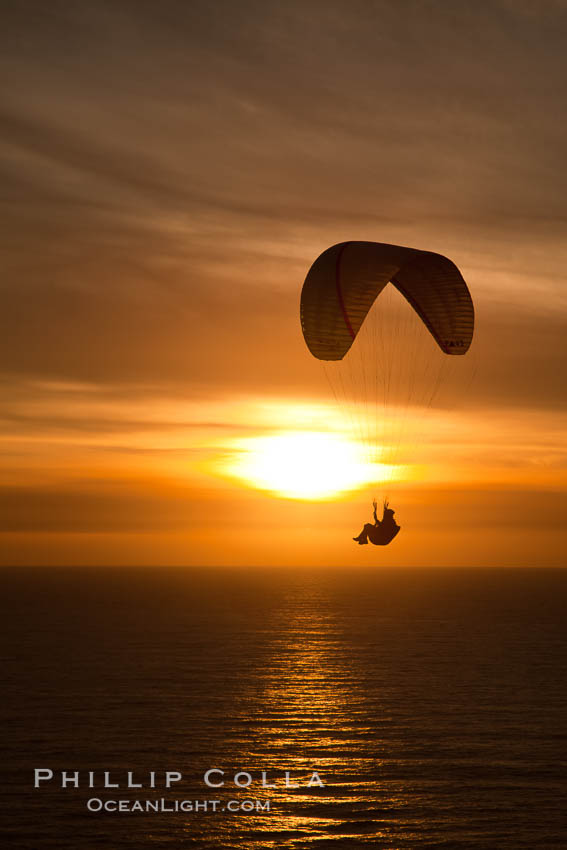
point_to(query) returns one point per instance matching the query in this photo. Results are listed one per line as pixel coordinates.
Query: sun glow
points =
(303, 464)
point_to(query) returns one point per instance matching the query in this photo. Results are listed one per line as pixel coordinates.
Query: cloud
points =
(119, 506)
(216, 341)
(146, 506)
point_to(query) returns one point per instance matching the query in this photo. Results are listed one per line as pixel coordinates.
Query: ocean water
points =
(432, 704)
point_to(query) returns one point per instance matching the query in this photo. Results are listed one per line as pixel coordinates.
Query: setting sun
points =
(303, 464)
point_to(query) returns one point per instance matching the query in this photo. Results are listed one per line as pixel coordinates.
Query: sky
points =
(170, 171)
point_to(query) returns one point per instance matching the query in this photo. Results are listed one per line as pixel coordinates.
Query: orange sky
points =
(171, 173)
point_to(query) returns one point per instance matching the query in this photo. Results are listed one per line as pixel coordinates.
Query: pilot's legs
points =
(362, 538)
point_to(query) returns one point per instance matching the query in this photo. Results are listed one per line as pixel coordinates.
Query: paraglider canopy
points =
(345, 280)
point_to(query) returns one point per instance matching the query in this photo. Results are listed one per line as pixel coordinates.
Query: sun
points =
(302, 464)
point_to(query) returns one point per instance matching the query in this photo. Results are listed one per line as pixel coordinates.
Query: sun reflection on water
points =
(313, 716)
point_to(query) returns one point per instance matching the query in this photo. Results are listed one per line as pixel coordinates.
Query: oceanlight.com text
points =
(95, 804)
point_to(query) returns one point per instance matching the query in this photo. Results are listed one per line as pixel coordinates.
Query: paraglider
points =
(338, 294)
(383, 531)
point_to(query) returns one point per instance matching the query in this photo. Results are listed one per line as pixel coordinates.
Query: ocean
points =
(409, 708)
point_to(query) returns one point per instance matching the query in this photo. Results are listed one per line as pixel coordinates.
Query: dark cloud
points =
(128, 506)
(119, 507)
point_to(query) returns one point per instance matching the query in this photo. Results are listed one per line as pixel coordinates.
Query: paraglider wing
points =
(345, 280)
